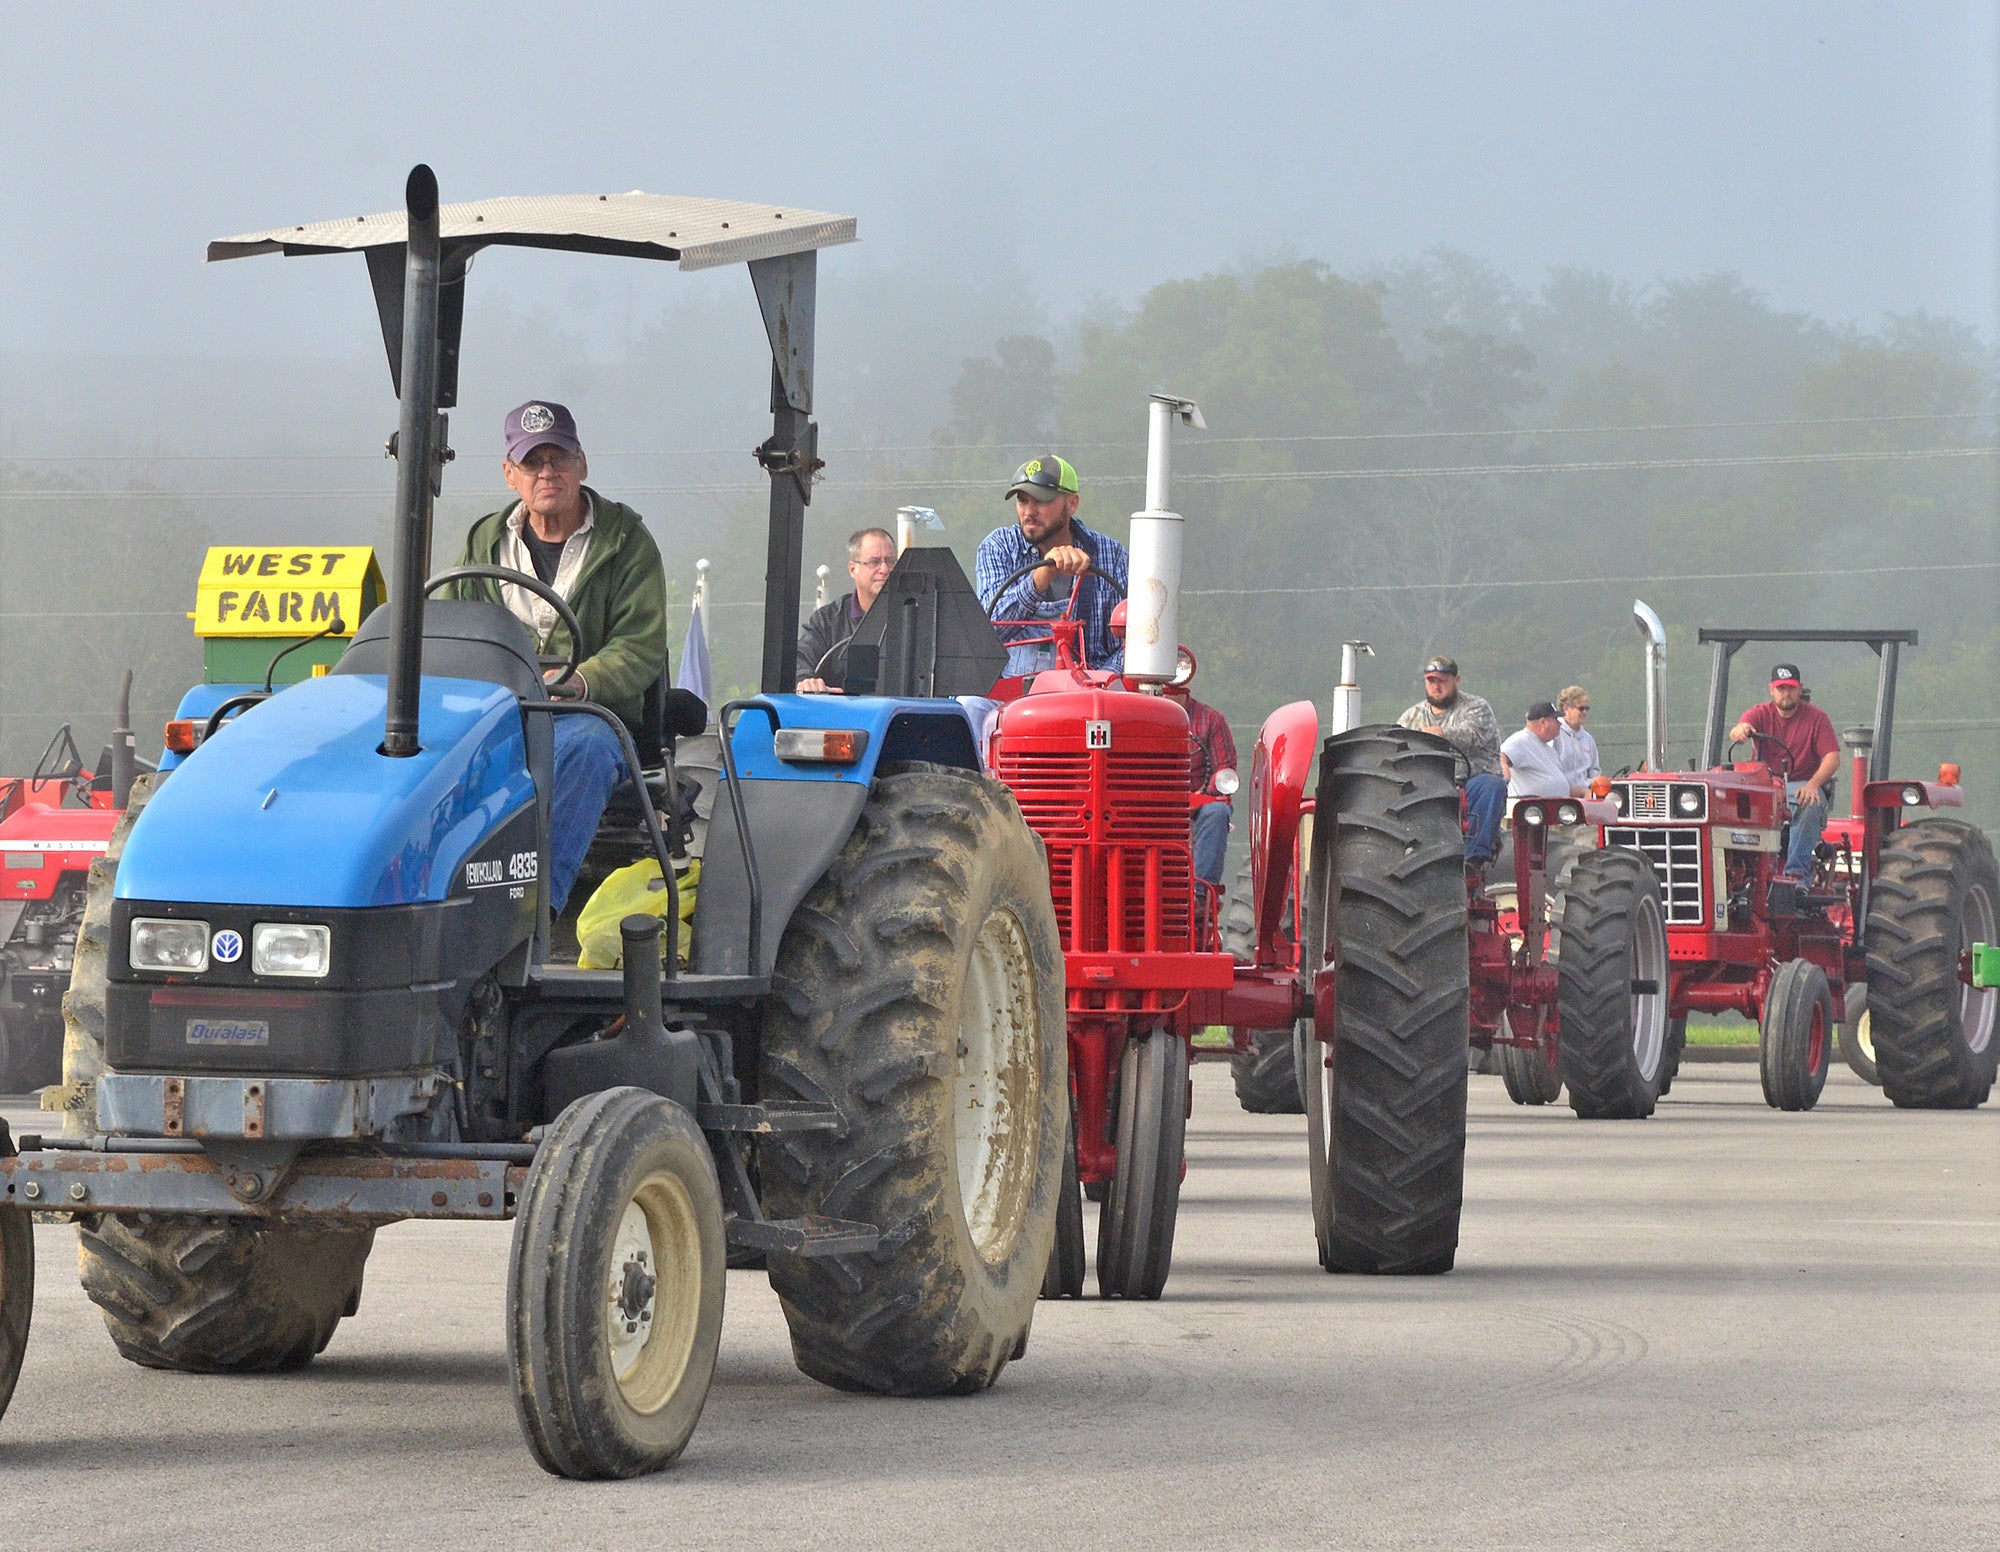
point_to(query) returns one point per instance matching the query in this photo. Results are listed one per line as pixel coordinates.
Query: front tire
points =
(1610, 943)
(1934, 896)
(197, 1294)
(1266, 1077)
(1385, 1117)
(1857, 1036)
(919, 990)
(17, 1288)
(1135, 1231)
(1064, 1278)
(615, 1287)
(1531, 1075)
(1795, 1036)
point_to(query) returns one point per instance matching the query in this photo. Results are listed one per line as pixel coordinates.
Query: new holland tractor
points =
(1883, 929)
(314, 992)
(1100, 765)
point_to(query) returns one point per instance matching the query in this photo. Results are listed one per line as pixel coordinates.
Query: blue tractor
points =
(315, 991)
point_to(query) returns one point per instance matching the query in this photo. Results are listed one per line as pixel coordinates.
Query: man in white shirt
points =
(1533, 768)
(1574, 746)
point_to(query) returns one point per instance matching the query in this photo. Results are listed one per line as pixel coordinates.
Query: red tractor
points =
(53, 825)
(1882, 927)
(1099, 763)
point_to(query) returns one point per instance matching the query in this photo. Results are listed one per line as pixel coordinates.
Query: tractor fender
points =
(799, 813)
(1285, 748)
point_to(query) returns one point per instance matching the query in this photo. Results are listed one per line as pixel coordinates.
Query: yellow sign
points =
(285, 590)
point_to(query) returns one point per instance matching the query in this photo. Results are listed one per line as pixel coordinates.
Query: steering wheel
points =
(1782, 765)
(1069, 604)
(535, 585)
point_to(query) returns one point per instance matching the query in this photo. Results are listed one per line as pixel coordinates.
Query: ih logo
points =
(1097, 735)
(226, 946)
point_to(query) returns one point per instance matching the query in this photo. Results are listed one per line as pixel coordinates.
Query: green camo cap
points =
(1043, 479)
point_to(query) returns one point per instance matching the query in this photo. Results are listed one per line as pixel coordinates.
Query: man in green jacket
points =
(598, 556)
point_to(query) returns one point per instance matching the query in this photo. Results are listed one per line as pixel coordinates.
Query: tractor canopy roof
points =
(697, 233)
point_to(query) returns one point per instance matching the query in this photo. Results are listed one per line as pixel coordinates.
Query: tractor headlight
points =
(1227, 781)
(1569, 813)
(160, 944)
(1912, 796)
(290, 948)
(1621, 799)
(1530, 814)
(1688, 801)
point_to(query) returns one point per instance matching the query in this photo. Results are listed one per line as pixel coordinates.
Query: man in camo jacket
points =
(1466, 721)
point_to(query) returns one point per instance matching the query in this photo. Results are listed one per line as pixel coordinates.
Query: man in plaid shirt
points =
(1045, 499)
(1214, 750)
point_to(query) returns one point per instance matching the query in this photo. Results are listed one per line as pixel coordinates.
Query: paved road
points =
(1722, 1327)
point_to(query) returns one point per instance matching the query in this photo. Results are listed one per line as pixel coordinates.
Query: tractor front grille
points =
(1675, 853)
(1649, 801)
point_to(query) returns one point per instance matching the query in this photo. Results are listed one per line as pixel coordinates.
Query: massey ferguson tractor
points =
(1100, 765)
(1894, 903)
(314, 991)
(53, 825)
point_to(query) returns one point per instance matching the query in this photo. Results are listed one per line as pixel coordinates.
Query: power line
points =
(1635, 580)
(1235, 477)
(964, 447)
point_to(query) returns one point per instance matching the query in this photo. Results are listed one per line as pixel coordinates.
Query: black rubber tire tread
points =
(1916, 910)
(83, 1004)
(1266, 1077)
(864, 1016)
(1530, 1077)
(596, 1155)
(1064, 1278)
(1858, 1056)
(30, 1050)
(1596, 901)
(1670, 1059)
(1388, 892)
(1135, 1231)
(218, 1295)
(197, 1294)
(1792, 1081)
(17, 1293)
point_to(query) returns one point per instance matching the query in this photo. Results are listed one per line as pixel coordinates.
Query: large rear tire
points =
(1610, 946)
(1266, 1077)
(200, 1294)
(1386, 904)
(1135, 1231)
(1795, 1036)
(1935, 894)
(919, 990)
(17, 1287)
(615, 1287)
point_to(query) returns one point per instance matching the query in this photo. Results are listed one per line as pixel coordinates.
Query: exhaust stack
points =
(1655, 635)
(1347, 694)
(1153, 600)
(124, 758)
(419, 436)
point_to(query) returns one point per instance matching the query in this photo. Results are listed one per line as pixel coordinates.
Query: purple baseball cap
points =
(540, 423)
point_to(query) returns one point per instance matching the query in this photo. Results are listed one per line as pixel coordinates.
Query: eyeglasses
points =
(1584, 707)
(559, 459)
(875, 563)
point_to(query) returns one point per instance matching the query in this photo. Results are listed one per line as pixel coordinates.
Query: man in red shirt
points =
(1214, 752)
(1810, 756)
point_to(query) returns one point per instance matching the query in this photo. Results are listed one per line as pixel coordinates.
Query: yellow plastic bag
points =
(638, 890)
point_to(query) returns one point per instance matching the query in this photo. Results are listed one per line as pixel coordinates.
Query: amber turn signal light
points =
(1948, 774)
(180, 737)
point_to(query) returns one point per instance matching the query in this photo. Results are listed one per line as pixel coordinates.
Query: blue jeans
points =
(589, 767)
(1211, 840)
(1808, 825)
(1485, 802)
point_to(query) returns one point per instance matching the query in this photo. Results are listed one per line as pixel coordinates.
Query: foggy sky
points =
(1842, 158)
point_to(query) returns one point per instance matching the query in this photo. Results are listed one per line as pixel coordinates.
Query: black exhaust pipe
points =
(417, 440)
(124, 761)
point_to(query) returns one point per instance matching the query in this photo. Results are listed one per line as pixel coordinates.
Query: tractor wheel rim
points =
(1977, 1004)
(1864, 1035)
(996, 1090)
(1649, 1009)
(652, 1293)
(1816, 1038)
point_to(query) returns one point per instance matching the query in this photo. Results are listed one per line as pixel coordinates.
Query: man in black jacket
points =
(871, 556)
